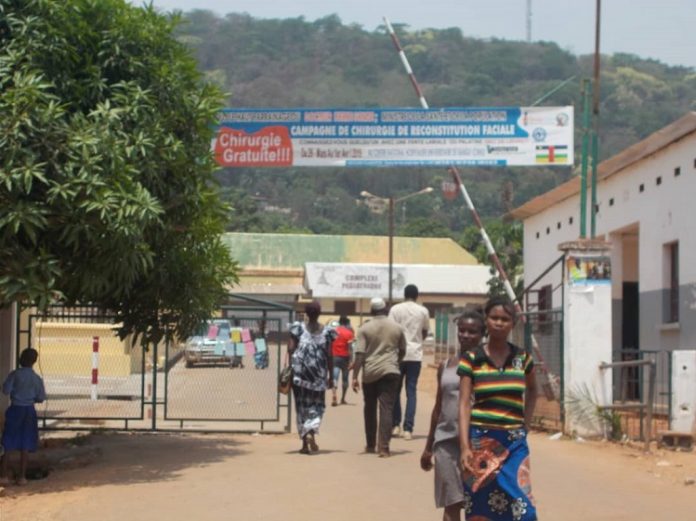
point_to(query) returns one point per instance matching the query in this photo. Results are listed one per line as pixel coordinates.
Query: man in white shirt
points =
(415, 320)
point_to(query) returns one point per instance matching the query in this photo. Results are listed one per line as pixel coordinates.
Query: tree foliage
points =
(506, 238)
(107, 193)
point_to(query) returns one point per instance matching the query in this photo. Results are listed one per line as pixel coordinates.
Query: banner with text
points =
(353, 280)
(507, 136)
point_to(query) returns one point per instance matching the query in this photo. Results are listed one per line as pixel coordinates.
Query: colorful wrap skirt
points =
(500, 487)
(21, 428)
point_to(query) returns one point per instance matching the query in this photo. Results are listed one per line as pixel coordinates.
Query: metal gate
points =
(541, 333)
(631, 385)
(94, 380)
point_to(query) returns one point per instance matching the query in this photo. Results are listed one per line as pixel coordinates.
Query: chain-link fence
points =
(222, 378)
(541, 333)
(236, 380)
(446, 343)
(90, 374)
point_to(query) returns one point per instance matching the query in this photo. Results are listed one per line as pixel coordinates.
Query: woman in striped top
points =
(497, 394)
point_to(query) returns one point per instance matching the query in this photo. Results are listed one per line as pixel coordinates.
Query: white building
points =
(646, 210)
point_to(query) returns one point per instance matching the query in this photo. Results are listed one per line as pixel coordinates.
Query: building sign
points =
(357, 280)
(353, 280)
(588, 270)
(506, 136)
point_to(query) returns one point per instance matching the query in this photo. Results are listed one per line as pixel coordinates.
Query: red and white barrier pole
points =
(455, 175)
(95, 366)
(492, 255)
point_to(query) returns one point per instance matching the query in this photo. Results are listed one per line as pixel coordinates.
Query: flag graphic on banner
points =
(552, 154)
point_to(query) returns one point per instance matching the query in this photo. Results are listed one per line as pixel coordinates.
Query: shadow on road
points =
(321, 451)
(130, 458)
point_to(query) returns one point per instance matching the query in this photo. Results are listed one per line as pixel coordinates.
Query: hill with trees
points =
(324, 63)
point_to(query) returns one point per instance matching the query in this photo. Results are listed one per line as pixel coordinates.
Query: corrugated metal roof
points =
(631, 155)
(270, 287)
(269, 282)
(286, 251)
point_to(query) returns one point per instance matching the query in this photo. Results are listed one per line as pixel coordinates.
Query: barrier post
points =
(95, 366)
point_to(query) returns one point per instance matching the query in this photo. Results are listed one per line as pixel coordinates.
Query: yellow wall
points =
(66, 349)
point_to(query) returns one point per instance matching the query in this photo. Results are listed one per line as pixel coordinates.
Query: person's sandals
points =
(334, 403)
(304, 450)
(384, 453)
(312, 443)
(370, 450)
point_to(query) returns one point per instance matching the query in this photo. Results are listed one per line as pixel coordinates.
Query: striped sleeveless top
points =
(498, 393)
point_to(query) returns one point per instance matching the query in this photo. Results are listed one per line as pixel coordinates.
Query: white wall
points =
(587, 343)
(542, 236)
(665, 212)
(684, 391)
(662, 213)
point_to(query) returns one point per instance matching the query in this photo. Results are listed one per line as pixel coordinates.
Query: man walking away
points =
(381, 345)
(415, 320)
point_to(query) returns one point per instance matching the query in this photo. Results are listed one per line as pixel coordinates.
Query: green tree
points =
(507, 242)
(245, 214)
(424, 227)
(106, 192)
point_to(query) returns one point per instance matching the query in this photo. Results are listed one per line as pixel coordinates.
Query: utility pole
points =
(391, 248)
(390, 202)
(585, 95)
(595, 123)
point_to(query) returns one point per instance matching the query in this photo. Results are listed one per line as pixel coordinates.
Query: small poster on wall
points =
(586, 270)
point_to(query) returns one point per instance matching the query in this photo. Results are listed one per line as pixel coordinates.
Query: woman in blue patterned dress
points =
(312, 368)
(497, 394)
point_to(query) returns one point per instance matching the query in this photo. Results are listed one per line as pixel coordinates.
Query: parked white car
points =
(210, 344)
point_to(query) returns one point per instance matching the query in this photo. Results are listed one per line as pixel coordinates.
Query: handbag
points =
(285, 380)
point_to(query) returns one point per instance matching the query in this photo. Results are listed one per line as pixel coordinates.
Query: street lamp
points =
(390, 202)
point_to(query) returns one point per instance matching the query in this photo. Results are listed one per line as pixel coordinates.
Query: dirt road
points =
(143, 477)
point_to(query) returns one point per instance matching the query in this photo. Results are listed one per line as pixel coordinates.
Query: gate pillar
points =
(683, 391)
(587, 309)
(8, 323)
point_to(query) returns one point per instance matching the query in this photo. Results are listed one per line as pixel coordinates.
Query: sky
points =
(659, 29)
